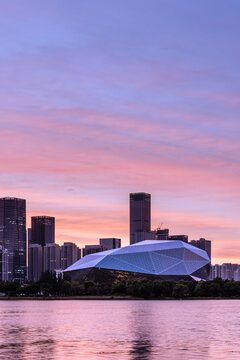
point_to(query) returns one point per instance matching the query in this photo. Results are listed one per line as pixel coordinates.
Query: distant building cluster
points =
(104, 244)
(43, 253)
(37, 244)
(226, 271)
(140, 225)
(154, 254)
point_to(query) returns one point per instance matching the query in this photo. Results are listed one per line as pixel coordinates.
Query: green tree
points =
(133, 288)
(32, 289)
(214, 290)
(201, 289)
(66, 288)
(180, 290)
(191, 287)
(119, 288)
(11, 288)
(145, 289)
(49, 283)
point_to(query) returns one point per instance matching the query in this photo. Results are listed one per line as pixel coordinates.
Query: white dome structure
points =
(150, 258)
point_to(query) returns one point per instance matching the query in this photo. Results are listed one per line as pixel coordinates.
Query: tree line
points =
(51, 285)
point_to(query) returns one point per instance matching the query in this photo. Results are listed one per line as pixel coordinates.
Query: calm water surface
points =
(136, 330)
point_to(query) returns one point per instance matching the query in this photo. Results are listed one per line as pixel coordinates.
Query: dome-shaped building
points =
(168, 260)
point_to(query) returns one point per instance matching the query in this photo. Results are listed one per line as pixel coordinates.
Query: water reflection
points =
(141, 349)
(13, 341)
(170, 330)
(142, 328)
(24, 342)
(42, 349)
(119, 330)
(16, 344)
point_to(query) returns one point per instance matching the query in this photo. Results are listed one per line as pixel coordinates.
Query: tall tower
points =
(43, 230)
(13, 236)
(140, 214)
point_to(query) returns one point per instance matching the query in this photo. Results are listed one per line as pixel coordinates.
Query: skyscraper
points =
(13, 235)
(43, 230)
(144, 235)
(140, 214)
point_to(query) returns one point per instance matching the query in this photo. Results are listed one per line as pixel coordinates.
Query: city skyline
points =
(126, 242)
(98, 101)
(42, 231)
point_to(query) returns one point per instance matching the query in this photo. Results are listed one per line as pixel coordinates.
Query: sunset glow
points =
(100, 101)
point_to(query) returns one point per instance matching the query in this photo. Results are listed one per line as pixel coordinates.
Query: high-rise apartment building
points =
(43, 230)
(203, 244)
(140, 214)
(51, 257)
(3, 264)
(110, 243)
(162, 234)
(236, 275)
(13, 236)
(79, 253)
(69, 254)
(183, 238)
(215, 271)
(91, 249)
(35, 262)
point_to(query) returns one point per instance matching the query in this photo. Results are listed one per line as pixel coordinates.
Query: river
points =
(115, 329)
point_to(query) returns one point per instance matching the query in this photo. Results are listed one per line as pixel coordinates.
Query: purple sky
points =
(102, 98)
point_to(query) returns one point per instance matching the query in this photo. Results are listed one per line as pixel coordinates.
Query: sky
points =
(102, 98)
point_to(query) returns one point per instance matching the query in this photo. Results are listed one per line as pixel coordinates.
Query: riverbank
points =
(103, 297)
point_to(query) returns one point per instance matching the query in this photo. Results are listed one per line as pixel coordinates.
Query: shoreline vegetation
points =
(50, 287)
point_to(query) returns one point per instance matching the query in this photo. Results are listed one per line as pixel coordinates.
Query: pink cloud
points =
(46, 155)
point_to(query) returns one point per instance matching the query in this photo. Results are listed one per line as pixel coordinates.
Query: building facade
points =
(140, 214)
(69, 254)
(226, 271)
(91, 249)
(203, 244)
(179, 238)
(43, 230)
(110, 243)
(236, 275)
(29, 236)
(3, 264)
(144, 235)
(215, 271)
(13, 236)
(35, 262)
(162, 234)
(51, 257)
